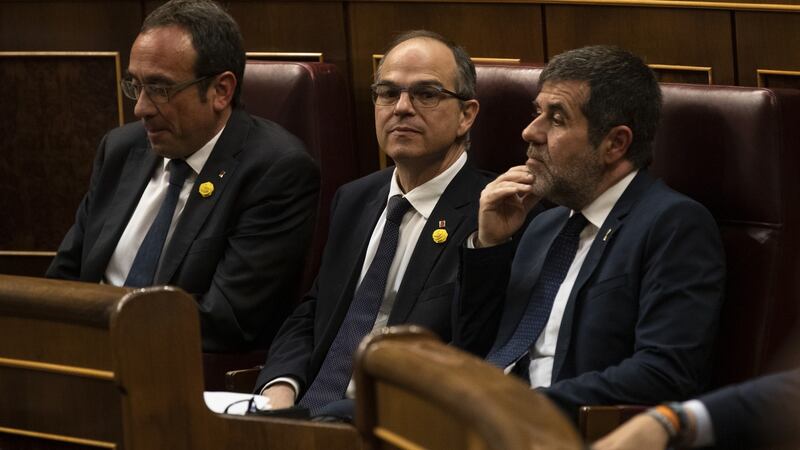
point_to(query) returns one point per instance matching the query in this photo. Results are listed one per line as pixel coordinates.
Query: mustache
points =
(537, 152)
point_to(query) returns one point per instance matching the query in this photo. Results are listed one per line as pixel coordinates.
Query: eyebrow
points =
(553, 107)
(153, 79)
(416, 83)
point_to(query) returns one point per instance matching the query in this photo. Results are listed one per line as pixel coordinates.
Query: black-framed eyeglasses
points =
(421, 95)
(157, 93)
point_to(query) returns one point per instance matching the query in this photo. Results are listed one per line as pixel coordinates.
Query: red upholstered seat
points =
(506, 93)
(737, 151)
(312, 101)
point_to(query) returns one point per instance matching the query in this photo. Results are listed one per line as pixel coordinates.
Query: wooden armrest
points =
(595, 422)
(242, 380)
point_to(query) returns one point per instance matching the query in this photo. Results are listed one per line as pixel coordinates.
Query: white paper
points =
(235, 402)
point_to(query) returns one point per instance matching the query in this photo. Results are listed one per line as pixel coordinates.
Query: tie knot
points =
(178, 171)
(574, 225)
(396, 208)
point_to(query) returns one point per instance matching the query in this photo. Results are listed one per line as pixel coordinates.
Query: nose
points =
(534, 133)
(404, 106)
(144, 106)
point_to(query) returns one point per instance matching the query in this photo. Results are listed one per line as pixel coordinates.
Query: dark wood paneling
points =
(69, 25)
(80, 407)
(683, 74)
(776, 79)
(767, 41)
(499, 31)
(54, 111)
(660, 36)
(294, 27)
(67, 343)
(297, 26)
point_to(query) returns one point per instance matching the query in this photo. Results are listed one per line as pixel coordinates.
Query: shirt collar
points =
(424, 197)
(601, 207)
(198, 159)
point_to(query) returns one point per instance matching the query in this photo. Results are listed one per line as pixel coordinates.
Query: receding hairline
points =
(452, 59)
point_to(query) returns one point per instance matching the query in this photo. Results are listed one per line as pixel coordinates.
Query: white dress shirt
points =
(146, 210)
(423, 199)
(543, 350)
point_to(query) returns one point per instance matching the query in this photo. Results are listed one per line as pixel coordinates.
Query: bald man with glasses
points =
(197, 193)
(392, 252)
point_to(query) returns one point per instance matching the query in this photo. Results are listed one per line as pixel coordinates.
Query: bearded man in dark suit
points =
(613, 296)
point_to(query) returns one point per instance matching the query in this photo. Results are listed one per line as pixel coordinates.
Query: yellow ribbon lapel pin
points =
(440, 234)
(206, 189)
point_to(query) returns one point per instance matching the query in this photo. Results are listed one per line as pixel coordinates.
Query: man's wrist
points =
(478, 243)
(286, 381)
(677, 423)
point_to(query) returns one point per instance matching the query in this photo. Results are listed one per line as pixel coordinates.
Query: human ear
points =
(616, 143)
(222, 90)
(469, 111)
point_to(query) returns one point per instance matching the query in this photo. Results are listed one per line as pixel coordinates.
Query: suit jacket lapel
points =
(450, 208)
(133, 179)
(610, 229)
(197, 209)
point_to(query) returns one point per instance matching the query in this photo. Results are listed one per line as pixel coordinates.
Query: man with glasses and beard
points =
(197, 194)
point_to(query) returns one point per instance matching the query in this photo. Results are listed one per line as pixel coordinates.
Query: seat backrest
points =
(311, 100)
(505, 93)
(737, 151)
(414, 392)
(107, 367)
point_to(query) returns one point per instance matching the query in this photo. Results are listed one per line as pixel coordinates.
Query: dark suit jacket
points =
(641, 318)
(757, 413)
(426, 292)
(239, 252)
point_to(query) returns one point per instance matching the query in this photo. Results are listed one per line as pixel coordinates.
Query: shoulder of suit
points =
(371, 182)
(478, 176)
(661, 197)
(266, 133)
(121, 140)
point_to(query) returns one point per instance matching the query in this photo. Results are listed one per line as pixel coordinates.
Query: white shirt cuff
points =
(292, 382)
(471, 239)
(704, 429)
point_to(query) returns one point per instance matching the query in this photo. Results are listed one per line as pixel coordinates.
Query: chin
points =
(400, 152)
(165, 152)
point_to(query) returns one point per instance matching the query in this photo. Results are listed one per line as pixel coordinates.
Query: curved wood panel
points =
(414, 392)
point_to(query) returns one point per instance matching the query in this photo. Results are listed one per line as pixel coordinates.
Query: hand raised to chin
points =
(505, 202)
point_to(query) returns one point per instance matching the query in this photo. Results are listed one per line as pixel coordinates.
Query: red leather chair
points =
(506, 93)
(311, 100)
(737, 151)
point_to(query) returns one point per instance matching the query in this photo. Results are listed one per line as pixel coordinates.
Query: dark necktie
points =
(336, 370)
(143, 269)
(554, 270)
